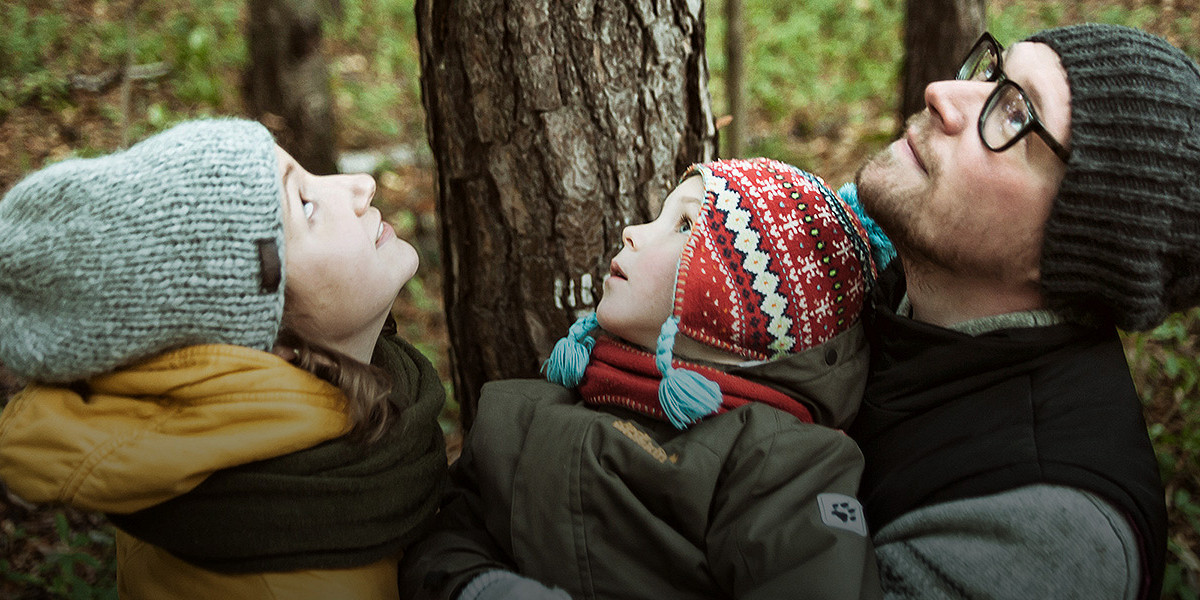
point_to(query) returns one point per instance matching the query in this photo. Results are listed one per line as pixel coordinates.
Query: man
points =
(1041, 200)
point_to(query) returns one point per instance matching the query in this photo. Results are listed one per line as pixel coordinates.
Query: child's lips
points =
(614, 271)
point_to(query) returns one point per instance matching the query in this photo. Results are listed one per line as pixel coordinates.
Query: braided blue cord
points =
(686, 396)
(572, 353)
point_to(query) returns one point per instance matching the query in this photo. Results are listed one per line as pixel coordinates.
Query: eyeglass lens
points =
(1005, 116)
(981, 63)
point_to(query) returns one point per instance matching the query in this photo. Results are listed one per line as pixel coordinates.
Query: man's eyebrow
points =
(1034, 95)
(1036, 98)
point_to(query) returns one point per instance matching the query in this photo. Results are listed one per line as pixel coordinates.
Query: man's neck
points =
(947, 299)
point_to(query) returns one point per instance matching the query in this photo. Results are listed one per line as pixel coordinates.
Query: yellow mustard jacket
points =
(140, 436)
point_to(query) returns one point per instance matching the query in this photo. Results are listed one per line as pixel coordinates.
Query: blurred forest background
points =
(822, 90)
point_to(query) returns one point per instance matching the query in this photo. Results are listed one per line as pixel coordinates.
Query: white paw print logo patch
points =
(842, 512)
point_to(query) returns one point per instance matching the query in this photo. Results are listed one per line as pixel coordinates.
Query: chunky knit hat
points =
(777, 263)
(175, 241)
(1122, 244)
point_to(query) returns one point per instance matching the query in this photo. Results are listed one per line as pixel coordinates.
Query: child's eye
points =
(685, 225)
(308, 209)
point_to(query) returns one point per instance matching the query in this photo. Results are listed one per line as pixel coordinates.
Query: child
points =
(710, 468)
(200, 319)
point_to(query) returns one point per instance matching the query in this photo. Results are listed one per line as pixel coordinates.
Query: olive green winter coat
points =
(605, 503)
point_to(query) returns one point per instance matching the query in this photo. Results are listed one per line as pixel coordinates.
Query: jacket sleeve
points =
(1039, 541)
(786, 522)
(458, 548)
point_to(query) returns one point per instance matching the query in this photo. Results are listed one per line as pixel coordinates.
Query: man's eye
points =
(1015, 116)
(308, 209)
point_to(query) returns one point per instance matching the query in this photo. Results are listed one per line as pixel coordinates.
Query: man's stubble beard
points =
(920, 243)
(893, 209)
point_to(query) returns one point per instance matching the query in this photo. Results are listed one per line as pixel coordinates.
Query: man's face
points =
(948, 202)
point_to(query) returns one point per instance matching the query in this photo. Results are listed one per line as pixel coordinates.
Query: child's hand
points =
(506, 585)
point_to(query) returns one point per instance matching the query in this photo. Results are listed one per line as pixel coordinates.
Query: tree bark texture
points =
(553, 125)
(937, 36)
(286, 85)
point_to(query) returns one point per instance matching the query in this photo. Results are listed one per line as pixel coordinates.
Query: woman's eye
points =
(685, 225)
(308, 209)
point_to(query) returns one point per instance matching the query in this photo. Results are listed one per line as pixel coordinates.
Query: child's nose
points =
(627, 235)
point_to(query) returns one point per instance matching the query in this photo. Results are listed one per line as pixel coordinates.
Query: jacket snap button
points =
(831, 357)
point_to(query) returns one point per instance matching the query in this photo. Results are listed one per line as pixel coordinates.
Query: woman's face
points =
(345, 265)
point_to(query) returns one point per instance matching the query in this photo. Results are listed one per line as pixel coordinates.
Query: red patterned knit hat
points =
(776, 264)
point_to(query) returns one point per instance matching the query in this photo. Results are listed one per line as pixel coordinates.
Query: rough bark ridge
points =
(937, 36)
(553, 125)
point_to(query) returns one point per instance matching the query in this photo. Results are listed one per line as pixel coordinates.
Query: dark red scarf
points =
(622, 375)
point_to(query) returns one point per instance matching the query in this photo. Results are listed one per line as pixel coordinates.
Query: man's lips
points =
(912, 150)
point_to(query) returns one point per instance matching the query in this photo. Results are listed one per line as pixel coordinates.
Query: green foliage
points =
(24, 74)
(1015, 21)
(79, 566)
(819, 66)
(376, 81)
(1166, 369)
(204, 45)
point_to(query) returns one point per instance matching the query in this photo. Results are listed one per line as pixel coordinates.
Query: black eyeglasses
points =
(1008, 115)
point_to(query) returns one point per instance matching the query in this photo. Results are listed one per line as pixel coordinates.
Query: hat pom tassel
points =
(685, 396)
(882, 250)
(571, 354)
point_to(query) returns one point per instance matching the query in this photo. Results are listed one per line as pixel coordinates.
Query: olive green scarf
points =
(339, 504)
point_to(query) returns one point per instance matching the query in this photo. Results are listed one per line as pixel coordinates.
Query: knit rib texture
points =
(105, 261)
(1123, 238)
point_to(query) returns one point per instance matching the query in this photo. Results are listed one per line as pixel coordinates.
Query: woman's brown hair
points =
(367, 387)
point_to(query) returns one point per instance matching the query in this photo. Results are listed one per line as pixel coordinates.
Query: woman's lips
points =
(385, 233)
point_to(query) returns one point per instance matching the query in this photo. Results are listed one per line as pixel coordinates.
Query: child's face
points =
(639, 290)
(345, 265)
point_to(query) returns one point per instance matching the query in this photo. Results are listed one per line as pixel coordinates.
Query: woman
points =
(200, 321)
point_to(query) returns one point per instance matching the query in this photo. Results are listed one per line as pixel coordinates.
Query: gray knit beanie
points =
(173, 242)
(1122, 244)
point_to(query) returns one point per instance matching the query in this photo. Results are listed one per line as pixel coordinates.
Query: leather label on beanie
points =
(271, 272)
(842, 512)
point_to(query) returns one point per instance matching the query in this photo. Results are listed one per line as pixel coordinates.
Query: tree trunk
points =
(734, 135)
(553, 125)
(937, 36)
(286, 85)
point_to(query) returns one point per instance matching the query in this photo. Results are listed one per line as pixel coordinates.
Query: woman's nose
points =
(362, 190)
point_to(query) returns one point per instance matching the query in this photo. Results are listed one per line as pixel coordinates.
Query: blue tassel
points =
(572, 353)
(881, 247)
(686, 396)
